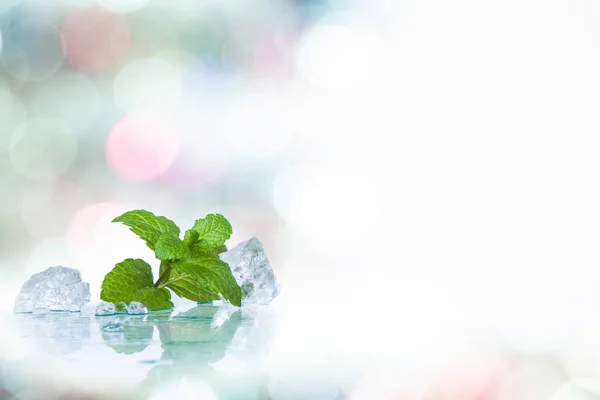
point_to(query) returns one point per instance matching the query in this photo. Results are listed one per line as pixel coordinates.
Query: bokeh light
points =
(6, 5)
(258, 125)
(338, 56)
(311, 197)
(123, 6)
(185, 389)
(51, 251)
(31, 50)
(42, 148)
(149, 85)
(80, 103)
(12, 114)
(200, 163)
(141, 147)
(94, 38)
(60, 197)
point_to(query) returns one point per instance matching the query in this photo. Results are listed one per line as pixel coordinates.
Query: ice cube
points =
(252, 271)
(114, 325)
(55, 289)
(121, 308)
(136, 308)
(105, 308)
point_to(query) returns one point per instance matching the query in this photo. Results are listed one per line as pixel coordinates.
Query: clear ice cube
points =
(105, 308)
(121, 308)
(136, 308)
(252, 271)
(55, 289)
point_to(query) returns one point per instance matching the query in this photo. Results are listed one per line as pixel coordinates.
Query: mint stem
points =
(164, 277)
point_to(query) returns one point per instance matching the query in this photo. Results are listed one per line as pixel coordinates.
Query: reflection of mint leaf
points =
(210, 274)
(213, 230)
(125, 279)
(169, 247)
(153, 298)
(147, 226)
(134, 339)
(137, 334)
(188, 350)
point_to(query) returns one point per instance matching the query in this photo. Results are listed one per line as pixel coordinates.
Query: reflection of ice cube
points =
(252, 340)
(252, 271)
(55, 332)
(126, 334)
(55, 289)
(113, 325)
(223, 314)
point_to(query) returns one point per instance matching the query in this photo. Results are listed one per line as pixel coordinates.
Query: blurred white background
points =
(424, 174)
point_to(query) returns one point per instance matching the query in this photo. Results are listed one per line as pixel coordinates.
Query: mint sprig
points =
(190, 267)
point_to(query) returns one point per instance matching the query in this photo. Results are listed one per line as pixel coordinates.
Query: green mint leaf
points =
(191, 236)
(125, 279)
(186, 285)
(183, 329)
(204, 276)
(163, 267)
(147, 226)
(213, 230)
(190, 267)
(153, 298)
(169, 247)
(201, 249)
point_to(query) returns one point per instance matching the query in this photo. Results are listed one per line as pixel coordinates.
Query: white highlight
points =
(79, 105)
(123, 6)
(42, 148)
(12, 114)
(185, 390)
(328, 206)
(333, 55)
(149, 85)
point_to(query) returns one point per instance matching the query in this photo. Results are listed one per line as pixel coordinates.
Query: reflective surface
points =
(309, 351)
(165, 354)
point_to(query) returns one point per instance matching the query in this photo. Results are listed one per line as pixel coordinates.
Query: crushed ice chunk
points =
(121, 308)
(136, 308)
(252, 271)
(114, 325)
(105, 308)
(55, 289)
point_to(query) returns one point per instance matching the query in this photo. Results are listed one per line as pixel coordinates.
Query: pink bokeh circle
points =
(141, 148)
(94, 38)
